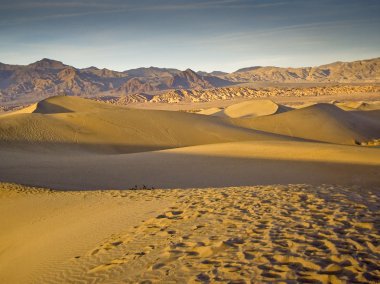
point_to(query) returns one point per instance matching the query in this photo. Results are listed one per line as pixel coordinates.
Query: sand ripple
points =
(298, 233)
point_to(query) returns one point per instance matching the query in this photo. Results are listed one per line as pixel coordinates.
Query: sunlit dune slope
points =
(214, 111)
(251, 108)
(360, 105)
(319, 122)
(71, 121)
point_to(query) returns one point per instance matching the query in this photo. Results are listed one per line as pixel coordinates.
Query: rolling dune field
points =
(254, 192)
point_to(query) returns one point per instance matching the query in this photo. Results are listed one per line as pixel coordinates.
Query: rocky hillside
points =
(187, 79)
(228, 93)
(44, 78)
(366, 71)
(47, 77)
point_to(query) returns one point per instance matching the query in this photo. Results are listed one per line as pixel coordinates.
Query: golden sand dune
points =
(319, 122)
(360, 105)
(203, 232)
(74, 122)
(82, 130)
(250, 108)
(215, 111)
(267, 234)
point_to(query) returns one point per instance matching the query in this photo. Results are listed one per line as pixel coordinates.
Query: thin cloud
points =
(99, 8)
(24, 20)
(61, 4)
(309, 27)
(163, 6)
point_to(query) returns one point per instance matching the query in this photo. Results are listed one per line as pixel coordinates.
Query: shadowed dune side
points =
(46, 107)
(371, 115)
(218, 165)
(320, 122)
(73, 121)
(214, 111)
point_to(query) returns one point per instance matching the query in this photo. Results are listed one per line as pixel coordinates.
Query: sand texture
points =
(297, 233)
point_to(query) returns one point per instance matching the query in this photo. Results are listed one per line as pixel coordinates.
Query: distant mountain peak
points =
(92, 68)
(246, 69)
(48, 63)
(188, 73)
(213, 73)
(189, 70)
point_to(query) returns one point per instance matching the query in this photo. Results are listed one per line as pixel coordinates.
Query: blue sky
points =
(202, 35)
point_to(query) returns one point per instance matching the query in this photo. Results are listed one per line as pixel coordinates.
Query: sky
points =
(202, 35)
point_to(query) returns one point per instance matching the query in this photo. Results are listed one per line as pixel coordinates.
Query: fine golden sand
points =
(254, 192)
(293, 233)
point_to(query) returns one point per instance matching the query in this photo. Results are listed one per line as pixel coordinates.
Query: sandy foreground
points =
(297, 233)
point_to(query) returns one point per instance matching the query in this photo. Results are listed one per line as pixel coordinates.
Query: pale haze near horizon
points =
(202, 35)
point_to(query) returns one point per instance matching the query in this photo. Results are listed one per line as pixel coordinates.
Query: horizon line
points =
(193, 69)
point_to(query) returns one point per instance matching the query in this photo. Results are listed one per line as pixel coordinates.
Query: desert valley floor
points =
(251, 192)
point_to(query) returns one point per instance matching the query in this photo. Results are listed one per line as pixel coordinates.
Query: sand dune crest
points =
(319, 122)
(71, 122)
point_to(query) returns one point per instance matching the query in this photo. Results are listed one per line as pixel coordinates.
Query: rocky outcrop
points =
(47, 77)
(187, 95)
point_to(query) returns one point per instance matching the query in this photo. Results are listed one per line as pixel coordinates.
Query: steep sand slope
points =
(320, 122)
(229, 164)
(79, 123)
(29, 109)
(62, 104)
(214, 111)
(292, 234)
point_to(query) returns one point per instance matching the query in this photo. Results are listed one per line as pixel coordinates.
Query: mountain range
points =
(48, 77)
(365, 71)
